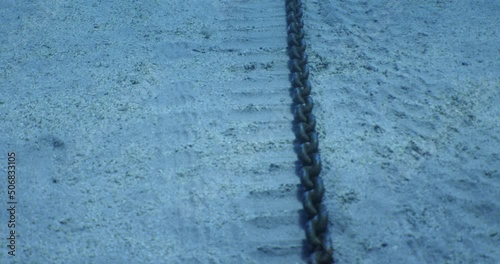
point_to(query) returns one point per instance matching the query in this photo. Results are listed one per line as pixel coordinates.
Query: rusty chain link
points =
(317, 216)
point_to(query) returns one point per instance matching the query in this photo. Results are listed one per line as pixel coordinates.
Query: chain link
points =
(317, 216)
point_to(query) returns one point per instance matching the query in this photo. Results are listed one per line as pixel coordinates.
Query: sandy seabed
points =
(161, 131)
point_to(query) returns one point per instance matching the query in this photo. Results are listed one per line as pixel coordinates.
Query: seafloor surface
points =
(161, 131)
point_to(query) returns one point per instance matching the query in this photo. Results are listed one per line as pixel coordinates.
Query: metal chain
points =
(317, 215)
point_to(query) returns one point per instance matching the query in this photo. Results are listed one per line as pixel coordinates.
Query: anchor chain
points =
(317, 216)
